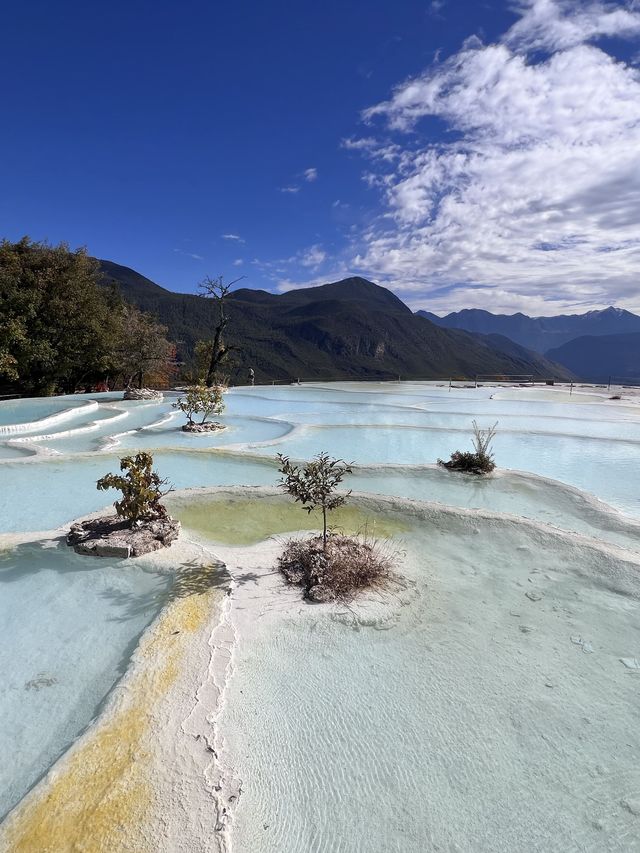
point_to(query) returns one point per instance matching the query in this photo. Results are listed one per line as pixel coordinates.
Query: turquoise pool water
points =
(460, 716)
(68, 627)
(573, 451)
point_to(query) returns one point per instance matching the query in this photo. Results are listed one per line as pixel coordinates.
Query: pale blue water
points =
(433, 727)
(26, 410)
(68, 625)
(46, 494)
(56, 606)
(9, 451)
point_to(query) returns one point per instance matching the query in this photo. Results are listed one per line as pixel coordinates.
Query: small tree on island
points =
(328, 567)
(199, 400)
(142, 489)
(314, 484)
(481, 460)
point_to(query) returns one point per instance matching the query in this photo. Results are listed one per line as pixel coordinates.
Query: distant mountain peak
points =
(351, 328)
(354, 288)
(542, 334)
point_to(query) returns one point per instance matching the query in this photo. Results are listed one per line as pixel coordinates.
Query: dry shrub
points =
(481, 460)
(469, 463)
(339, 570)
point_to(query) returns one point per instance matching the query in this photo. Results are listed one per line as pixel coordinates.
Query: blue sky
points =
(465, 154)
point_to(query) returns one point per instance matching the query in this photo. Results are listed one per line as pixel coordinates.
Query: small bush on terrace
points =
(200, 400)
(141, 487)
(481, 460)
(329, 566)
(315, 483)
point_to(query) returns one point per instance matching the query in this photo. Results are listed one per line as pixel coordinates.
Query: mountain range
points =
(557, 337)
(351, 329)
(600, 358)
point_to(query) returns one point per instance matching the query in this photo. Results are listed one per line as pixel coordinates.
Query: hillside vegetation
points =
(348, 329)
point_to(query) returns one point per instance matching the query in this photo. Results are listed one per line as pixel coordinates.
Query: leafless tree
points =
(218, 290)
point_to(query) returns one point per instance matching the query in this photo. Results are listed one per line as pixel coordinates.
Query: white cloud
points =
(235, 237)
(238, 262)
(285, 284)
(561, 24)
(313, 256)
(310, 175)
(374, 148)
(436, 7)
(292, 189)
(534, 198)
(338, 273)
(189, 254)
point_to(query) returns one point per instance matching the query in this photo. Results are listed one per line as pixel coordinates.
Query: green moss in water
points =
(6, 553)
(245, 521)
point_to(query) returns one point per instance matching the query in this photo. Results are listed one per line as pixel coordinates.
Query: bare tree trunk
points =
(218, 290)
(218, 350)
(324, 527)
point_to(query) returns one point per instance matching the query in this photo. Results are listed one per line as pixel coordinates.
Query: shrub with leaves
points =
(480, 461)
(141, 487)
(328, 567)
(200, 400)
(314, 484)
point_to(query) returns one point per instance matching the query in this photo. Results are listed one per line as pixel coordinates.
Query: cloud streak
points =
(532, 200)
(191, 255)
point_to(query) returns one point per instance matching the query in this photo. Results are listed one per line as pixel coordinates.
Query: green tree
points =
(314, 484)
(57, 325)
(200, 400)
(141, 487)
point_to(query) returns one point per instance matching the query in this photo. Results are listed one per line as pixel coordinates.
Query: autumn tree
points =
(143, 353)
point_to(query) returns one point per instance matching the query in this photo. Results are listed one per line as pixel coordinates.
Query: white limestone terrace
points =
(57, 412)
(494, 700)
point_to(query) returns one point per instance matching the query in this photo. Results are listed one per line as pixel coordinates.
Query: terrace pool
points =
(570, 462)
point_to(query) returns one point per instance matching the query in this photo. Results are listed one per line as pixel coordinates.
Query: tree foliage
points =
(141, 487)
(142, 353)
(200, 400)
(60, 329)
(314, 484)
(57, 326)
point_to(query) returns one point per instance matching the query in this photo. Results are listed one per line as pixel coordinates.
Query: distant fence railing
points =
(624, 382)
(450, 381)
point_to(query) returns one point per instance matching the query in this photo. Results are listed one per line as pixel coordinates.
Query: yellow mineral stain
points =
(101, 797)
(98, 800)
(245, 521)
